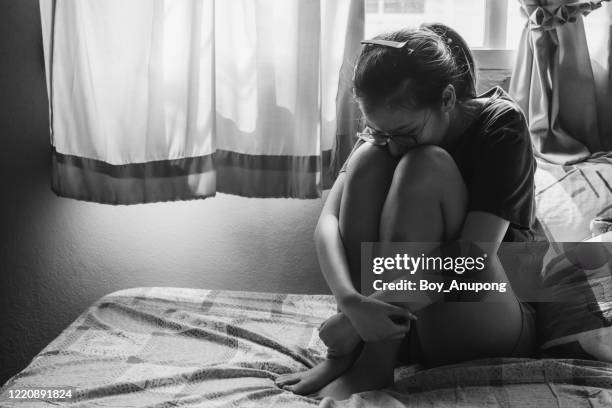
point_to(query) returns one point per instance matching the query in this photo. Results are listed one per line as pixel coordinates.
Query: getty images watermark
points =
(411, 265)
(443, 272)
(475, 272)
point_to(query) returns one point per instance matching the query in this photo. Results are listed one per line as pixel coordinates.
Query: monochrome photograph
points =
(306, 203)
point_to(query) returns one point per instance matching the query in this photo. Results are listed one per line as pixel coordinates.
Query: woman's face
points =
(426, 126)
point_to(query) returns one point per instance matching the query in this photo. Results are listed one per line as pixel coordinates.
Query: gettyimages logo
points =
(487, 272)
(407, 271)
(422, 263)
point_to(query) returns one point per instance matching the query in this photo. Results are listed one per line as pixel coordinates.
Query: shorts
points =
(525, 346)
(526, 343)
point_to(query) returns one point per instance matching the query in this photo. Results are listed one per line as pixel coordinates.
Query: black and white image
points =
(306, 203)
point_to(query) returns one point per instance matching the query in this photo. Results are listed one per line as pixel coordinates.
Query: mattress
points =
(175, 347)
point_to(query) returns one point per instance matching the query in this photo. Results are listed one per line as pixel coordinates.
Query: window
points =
(404, 6)
(492, 28)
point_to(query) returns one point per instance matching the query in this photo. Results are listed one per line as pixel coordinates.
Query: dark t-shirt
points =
(496, 161)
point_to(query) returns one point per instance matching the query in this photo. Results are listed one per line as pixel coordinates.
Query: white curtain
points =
(554, 82)
(155, 100)
(598, 27)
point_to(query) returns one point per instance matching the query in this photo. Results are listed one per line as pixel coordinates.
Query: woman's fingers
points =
(395, 332)
(401, 312)
(398, 336)
(402, 327)
(408, 315)
(390, 330)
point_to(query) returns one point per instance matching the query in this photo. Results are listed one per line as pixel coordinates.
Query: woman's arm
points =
(372, 319)
(482, 226)
(337, 332)
(330, 248)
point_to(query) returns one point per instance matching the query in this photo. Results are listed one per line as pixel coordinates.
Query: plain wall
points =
(57, 255)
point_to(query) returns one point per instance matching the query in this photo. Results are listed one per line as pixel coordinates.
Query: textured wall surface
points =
(57, 255)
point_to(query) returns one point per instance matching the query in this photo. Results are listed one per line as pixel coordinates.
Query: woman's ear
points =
(449, 98)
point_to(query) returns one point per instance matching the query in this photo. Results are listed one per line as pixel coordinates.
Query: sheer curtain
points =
(155, 100)
(554, 83)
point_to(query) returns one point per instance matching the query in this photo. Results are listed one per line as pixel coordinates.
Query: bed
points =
(169, 347)
(568, 197)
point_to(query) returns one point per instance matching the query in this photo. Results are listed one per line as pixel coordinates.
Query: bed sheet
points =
(175, 347)
(568, 197)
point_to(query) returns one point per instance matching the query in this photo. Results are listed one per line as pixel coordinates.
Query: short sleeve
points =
(503, 171)
(355, 147)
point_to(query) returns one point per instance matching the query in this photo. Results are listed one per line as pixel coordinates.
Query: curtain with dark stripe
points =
(160, 100)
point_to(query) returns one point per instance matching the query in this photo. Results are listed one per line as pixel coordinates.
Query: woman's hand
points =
(339, 335)
(375, 320)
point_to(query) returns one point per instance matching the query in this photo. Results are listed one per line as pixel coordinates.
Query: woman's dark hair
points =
(435, 55)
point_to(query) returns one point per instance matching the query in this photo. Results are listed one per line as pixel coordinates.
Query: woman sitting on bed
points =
(435, 163)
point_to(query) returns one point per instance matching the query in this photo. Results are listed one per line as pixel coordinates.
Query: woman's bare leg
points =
(426, 202)
(368, 178)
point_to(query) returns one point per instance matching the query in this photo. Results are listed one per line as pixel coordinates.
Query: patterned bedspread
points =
(172, 347)
(569, 197)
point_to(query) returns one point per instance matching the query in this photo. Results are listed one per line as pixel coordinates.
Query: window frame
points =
(493, 54)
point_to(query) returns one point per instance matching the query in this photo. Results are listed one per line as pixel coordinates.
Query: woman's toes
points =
(286, 379)
(300, 388)
(315, 395)
(290, 388)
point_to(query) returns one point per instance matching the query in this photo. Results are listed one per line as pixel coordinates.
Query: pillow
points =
(569, 197)
(578, 322)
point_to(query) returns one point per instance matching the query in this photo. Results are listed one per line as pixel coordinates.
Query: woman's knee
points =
(370, 162)
(427, 198)
(428, 168)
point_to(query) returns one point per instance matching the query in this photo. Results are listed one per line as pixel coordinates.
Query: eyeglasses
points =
(382, 139)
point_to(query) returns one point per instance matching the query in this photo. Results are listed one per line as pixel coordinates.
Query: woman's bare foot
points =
(311, 380)
(366, 374)
(339, 335)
